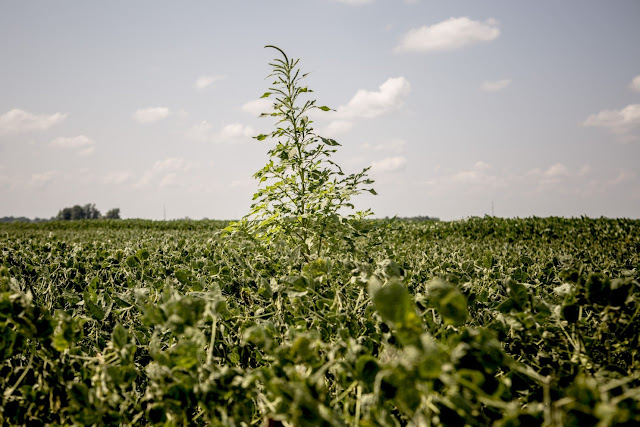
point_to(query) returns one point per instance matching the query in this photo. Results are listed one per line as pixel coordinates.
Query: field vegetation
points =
(306, 314)
(512, 322)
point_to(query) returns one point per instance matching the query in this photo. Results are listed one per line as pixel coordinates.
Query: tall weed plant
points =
(304, 197)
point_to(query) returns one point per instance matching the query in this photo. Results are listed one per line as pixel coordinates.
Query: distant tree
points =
(87, 211)
(113, 214)
(14, 219)
(64, 214)
(90, 211)
(77, 212)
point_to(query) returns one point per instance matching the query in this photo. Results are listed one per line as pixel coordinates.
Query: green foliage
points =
(479, 322)
(113, 214)
(303, 194)
(87, 211)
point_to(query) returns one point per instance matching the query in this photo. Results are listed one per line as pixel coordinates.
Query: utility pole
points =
(164, 212)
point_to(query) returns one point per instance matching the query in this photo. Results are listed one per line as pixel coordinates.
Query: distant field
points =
(484, 321)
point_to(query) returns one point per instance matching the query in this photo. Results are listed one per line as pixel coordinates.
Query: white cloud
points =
(150, 115)
(237, 130)
(82, 142)
(617, 121)
(172, 164)
(478, 175)
(204, 82)
(117, 177)
(370, 104)
(584, 170)
(395, 145)
(233, 132)
(635, 84)
(495, 86)
(145, 179)
(338, 127)
(200, 132)
(390, 164)
(40, 180)
(257, 106)
(556, 170)
(553, 175)
(169, 180)
(168, 167)
(18, 121)
(354, 2)
(478, 179)
(623, 176)
(451, 34)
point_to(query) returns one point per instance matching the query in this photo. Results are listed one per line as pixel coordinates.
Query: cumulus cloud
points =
(150, 115)
(354, 2)
(371, 104)
(483, 180)
(173, 164)
(451, 34)
(338, 127)
(480, 174)
(479, 178)
(85, 144)
(396, 145)
(257, 106)
(624, 176)
(390, 164)
(168, 168)
(117, 177)
(236, 130)
(200, 132)
(169, 180)
(232, 132)
(495, 85)
(553, 175)
(635, 84)
(40, 180)
(20, 121)
(204, 82)
(617, 121)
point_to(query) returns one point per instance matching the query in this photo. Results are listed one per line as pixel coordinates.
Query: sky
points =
(461, 108)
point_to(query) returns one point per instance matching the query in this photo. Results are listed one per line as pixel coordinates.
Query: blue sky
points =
(530, 107)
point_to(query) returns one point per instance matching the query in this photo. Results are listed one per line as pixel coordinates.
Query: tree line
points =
(88, 211)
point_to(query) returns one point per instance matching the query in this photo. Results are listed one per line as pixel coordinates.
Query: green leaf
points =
(142, 254)
(517, 292)
(182, 276)
(325, 108)
(448, 301)
(260, 137)
(393, 302)
(119, 336)
(266, 95)
(94, 309)
(132, 261)
(598, 288)
(329, 141)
